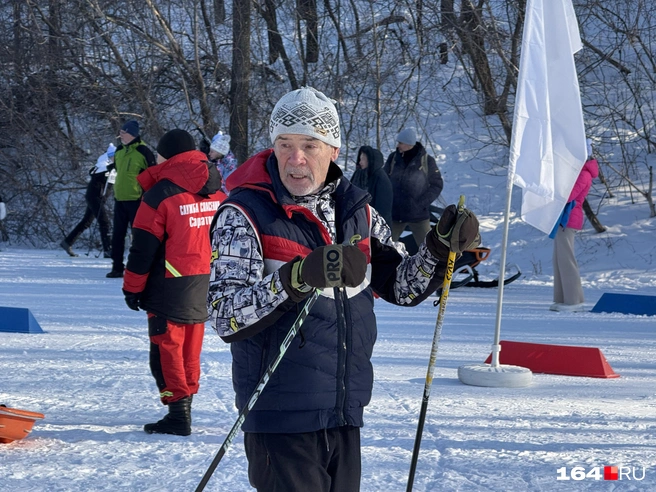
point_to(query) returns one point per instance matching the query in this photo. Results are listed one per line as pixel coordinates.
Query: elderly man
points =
(293, 223)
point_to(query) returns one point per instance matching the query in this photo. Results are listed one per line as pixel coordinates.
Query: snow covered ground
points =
(88, 373)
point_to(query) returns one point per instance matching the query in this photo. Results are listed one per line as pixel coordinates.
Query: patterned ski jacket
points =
(129, 161)
(169, 260)
(325, 379)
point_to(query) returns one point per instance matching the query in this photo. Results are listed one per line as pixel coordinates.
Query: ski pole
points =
(291, 334)
(451, 261)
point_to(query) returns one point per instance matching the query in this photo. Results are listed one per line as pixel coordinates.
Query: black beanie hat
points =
(175, 142)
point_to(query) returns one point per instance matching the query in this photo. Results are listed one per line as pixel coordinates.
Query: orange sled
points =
(16, 424)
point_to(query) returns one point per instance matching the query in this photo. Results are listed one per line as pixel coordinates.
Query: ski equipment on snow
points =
(433, 356)
(291, 334)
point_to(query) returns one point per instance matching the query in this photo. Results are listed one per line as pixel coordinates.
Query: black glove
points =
(132, 299)
(455, 232)
(334, 265)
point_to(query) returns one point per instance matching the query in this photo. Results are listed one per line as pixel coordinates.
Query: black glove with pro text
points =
(455, 231)
(132, 299)
(334, 265)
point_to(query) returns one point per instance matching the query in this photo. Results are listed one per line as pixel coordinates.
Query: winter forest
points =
(74, 70)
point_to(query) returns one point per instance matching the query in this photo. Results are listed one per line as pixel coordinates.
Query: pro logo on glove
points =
(333, 265)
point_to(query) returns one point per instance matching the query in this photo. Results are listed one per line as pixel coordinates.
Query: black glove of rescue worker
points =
(132, 299)
(334, 265)
(455, 232)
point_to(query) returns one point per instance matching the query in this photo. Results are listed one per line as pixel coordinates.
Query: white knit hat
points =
(111, 150)
(306, 111)
(221, 143)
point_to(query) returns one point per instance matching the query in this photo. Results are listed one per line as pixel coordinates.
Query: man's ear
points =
(335, 154)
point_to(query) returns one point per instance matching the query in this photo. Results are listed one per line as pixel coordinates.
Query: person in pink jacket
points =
(568, 292)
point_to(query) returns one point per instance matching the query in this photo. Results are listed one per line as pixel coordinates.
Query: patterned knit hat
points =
(306, 111)
(221, 143)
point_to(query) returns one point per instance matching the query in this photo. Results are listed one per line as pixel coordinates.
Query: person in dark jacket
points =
(168, 270)
(95, 199)
(370, 176)
(416, 183)
(132, 158)
(293, 223)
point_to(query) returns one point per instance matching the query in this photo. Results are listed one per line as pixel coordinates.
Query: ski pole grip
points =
(461, 204)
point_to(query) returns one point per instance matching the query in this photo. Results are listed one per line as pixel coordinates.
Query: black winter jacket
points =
(414, 188)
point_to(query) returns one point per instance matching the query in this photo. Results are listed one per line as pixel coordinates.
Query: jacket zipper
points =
(341, 357)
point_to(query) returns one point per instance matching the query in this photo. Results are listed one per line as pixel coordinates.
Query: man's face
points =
(125, 137)
(403, 147)
(303, 162)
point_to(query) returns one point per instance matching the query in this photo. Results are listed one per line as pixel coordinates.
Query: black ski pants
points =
(124, 214)
(95, 210)
(323, 461)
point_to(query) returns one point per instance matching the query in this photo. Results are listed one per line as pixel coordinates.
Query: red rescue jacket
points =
(169, 260)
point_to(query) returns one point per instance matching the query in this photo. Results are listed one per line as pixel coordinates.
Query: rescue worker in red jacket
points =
(168, 269)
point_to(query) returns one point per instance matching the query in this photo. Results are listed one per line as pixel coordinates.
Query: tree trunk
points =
(276, 46)
(219, 11)
(472, 35)
(307, 11)
(598, 226)
(239, 83)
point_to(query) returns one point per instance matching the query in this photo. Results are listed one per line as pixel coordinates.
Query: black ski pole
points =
(259, 388)
(451, 261)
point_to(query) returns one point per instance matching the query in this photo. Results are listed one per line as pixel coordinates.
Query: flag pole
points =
(496, 374)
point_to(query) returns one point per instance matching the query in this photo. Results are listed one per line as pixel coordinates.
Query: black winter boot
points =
(67, 247)
(177, 421)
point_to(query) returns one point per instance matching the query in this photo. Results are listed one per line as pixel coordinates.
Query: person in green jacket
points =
(132, 157)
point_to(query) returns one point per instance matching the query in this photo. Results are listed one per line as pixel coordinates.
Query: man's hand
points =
(456, 231)
(132, 299)
(334, 265)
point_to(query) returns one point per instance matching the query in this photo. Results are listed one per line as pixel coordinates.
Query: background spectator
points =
(568, 291)
(416, 183)
(132, 158)
(222, 157)
(95, 199)
(168, 270)
(370, 176)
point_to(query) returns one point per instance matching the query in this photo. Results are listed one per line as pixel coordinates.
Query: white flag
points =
(547, 148)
